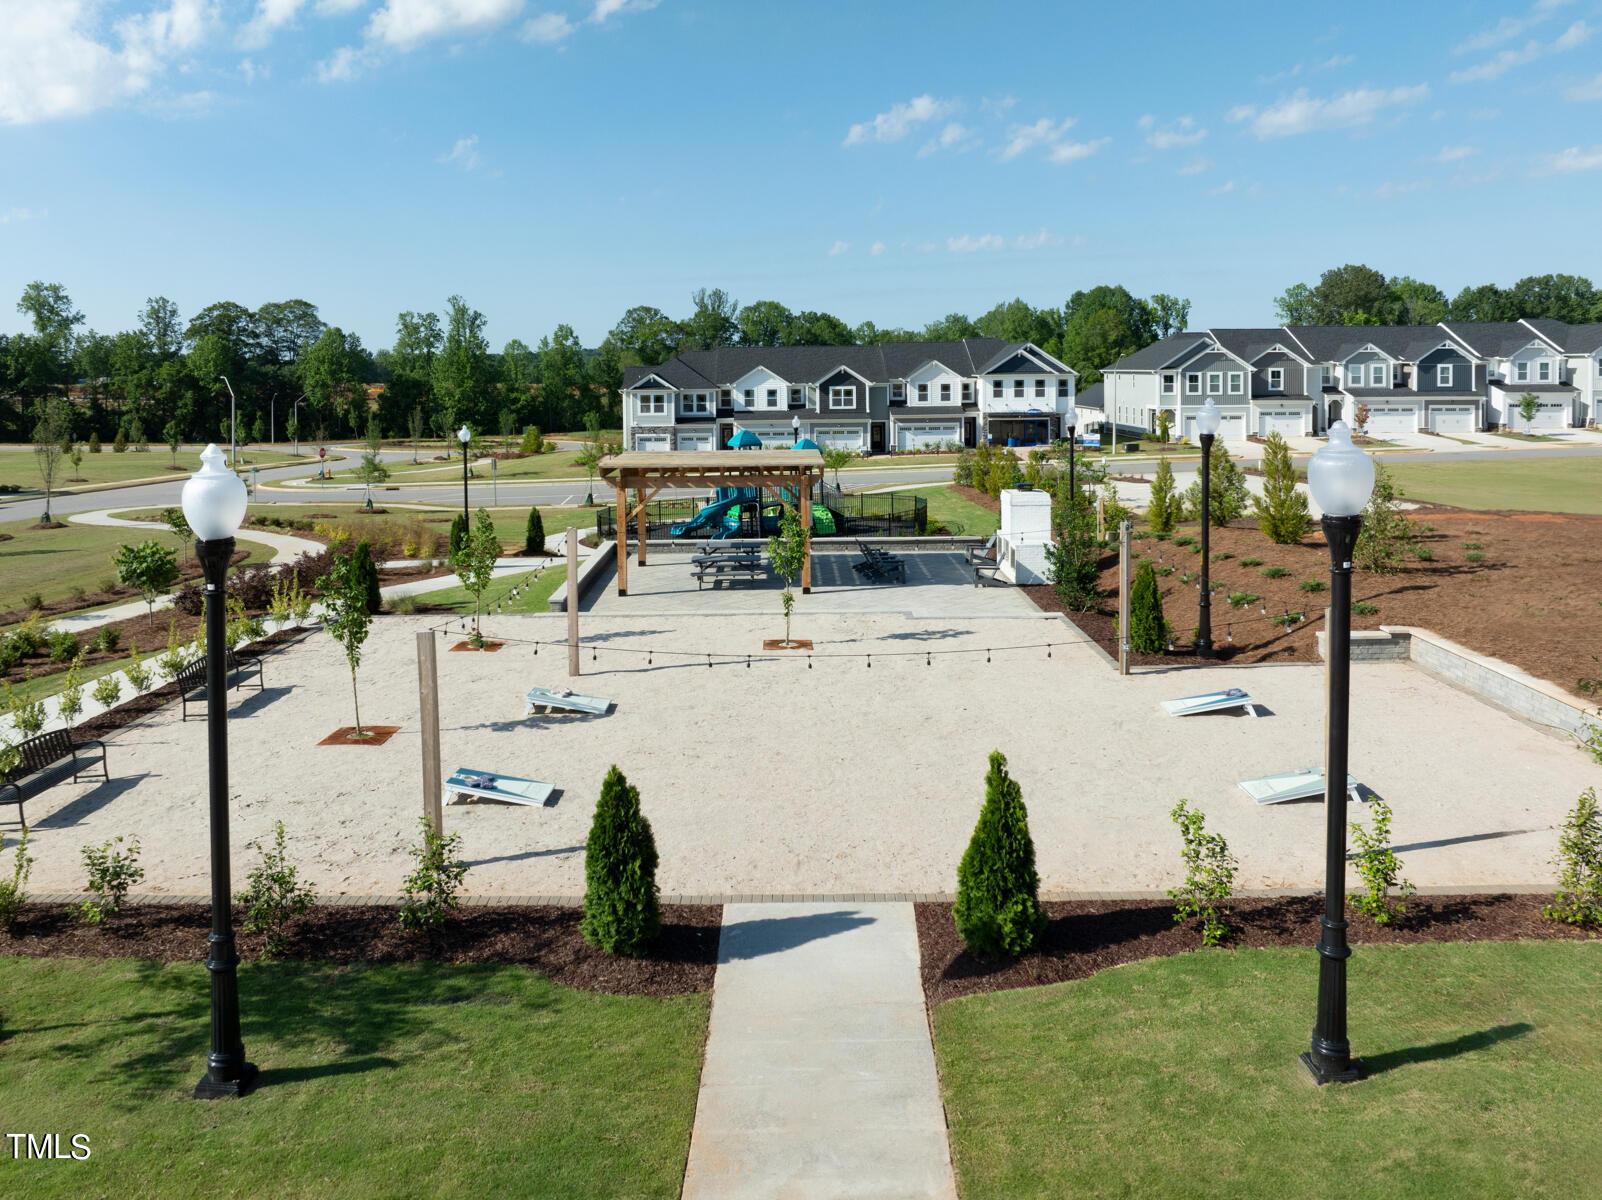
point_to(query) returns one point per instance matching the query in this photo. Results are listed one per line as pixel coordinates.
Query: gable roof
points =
(1494, 339)
(1571, 339)
(879, 364)
(1161, 354)
(1252, 344)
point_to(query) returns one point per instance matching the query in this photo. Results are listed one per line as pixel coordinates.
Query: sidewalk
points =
(819, 1077)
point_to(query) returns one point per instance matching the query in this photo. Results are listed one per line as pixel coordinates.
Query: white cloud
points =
(547, 29)
(838, 249)
(1574, 159)
(1183, 132)
(343, 65)
(335, 8)
(1222, 189)
(1067, 152)
(1574, 36)
(876, 249)
(1450, 154)
(968, 244)
(12, 215)
(1146, 122)
(1509, 28)
(1389, 191)
(1591, 90)
(1336, 61)
(1291, 73)
(464, 154)
(270, 16)
(405, 24)
(1037, 241)
(605, 9)
(997, 106)
(1194, 167)
(1026, 137)
(954, 136)
(1302, 113)
(894, 125)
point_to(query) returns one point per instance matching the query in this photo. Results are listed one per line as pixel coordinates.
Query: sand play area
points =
(777, 779)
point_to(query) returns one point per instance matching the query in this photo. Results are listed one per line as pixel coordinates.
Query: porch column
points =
(622, 541)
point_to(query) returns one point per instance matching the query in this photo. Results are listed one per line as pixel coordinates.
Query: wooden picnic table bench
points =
(718, 568)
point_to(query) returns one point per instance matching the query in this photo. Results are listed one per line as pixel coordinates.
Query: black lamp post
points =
(1340, 477)
(1207, 422)
(214, 502)
(1070, 422)
(464, 435)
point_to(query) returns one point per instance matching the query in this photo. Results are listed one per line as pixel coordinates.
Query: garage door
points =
(1550, 415)
(924, 437)
(845, 437)
(695, 441)
(1286, 424)
(1391, 418)
(1456, 419)
(1230, 429)
(652, 441)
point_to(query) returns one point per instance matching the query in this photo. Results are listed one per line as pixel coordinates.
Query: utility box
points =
(1024, 535)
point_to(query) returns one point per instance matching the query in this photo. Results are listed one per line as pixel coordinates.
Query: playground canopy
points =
(745, 440)
(649, 471)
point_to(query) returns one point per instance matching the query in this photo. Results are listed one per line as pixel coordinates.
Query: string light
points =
(1048, 649)
(747, 662)
(928, 659)
(987, 655)
(870, 662)
(708, 662)
(650, 657)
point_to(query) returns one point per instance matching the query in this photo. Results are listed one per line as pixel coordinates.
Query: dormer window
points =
(967, 392)
(795, 398)
(1326, 375)
(1276, 379)
(898, 391)
(725, 395)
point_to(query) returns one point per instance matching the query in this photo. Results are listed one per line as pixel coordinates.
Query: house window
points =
(1443, 375)
(967, 392)
(1236, 384)
(898, 391)
(1376, 375)
(1521, 372)
(725, 394)
(1040, 389)
(773, 397)
(923, 393)
(795, 398)
(1543, 370)
(696, 403)
(1326, 375)
(750, 397)
(1017, 388)
(1354, 376)
(1276, 379)
(1215, 382)
(1168, 384)
(843, 397)
(1062, 388)
(996, 387)
(1193, 383)
(945, 393)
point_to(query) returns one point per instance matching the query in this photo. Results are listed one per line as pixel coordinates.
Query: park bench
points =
(731, 566)
(191, 680)
(45, 761)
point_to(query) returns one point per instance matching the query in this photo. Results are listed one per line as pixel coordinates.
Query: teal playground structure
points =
(746, 512)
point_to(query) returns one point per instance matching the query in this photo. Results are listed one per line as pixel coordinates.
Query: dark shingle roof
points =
(1335, 343)
(1160, 354)
(1091, 397)
(1249, 343)
(1493, 339)
(1574, 339)
(808, 364)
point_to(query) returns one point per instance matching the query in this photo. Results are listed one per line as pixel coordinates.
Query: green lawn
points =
(557, 465)
(20, 467)
(534, 592)
(390, 1081)
(953, 510)
(1571, 485)
(54, 561)
(1179, 1077)
(510, 521)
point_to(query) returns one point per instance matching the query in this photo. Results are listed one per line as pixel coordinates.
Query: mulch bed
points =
(792, 644)
(1086, 936)
(544, 938)
(373, 735)
(974, 496)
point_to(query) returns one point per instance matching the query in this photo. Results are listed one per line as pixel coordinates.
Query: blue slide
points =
(710, 517)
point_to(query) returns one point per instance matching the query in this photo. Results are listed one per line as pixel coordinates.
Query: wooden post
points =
(622, 537)
(573, 667)
(428, 704)
(639, 522)
(804, 499)
(1101, 519)
(1123, 597)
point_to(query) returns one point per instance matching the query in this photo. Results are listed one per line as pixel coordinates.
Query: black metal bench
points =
(191, 680)
(45, 761)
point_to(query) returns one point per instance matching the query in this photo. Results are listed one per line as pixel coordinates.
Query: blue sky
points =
(888, 161)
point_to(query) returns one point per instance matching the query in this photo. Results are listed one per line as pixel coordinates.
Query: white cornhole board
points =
(506, 788)
(549, 698)
(1189, 706)
(1291, 785)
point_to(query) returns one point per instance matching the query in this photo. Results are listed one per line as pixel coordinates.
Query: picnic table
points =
(730, 566)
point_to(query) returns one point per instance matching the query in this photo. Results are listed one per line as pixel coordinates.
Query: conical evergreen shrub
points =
(621, 915)
(1148, 630)
(458, 534)
(534, 536)
(1163, 510)
(367, 573)
(1281, 509)
(998, 909)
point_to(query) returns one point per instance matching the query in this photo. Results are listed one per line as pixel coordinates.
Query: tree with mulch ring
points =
(1148, 628)
(475, 565)
(787, 550)
(347, 620)
(997, 911)
(621, 911)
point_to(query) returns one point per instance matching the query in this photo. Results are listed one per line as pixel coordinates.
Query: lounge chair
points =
(506, 788)
(550, 699)
(985, 553)
(1304, 784)
(1189, 706)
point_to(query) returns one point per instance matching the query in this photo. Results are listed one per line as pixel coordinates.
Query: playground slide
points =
(710, 517)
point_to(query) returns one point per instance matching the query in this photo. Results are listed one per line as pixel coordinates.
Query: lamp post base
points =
(222, 1089)
(1351, 1073)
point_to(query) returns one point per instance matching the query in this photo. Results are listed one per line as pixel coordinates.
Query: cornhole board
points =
(551, 698)
(1304, 784)
(506, 788)
(1189, 706)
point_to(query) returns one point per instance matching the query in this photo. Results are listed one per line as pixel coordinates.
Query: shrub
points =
(62, 644)
(274, 896)
(1148, 630)
(1229, 497)
(94, 443)
(998, 907)
(1424, 553)
(1187, 540)
(1165, 570)
(1274, 572)
(963, 474)
(1311, 585)
(621, 913)
(431, 887)
(1579, 894)
(1242, 599)
(10, 653)
(1282, 508)
(534, 532)
(403, 606)
(1288, 619)
(1223, 556)
(106, 639)
(458, 535)
(12, 895)
(1362, 608)
(366, 572)
(119, 444)
(111, 873)
(1474, 556)
(69, 703)
(1209, 875)
(108, 690)
(1379, 868)
(1073, 557)
(253, 586)
(1251, 562)
(533, 441)
(1386, 535)
(1473, 545)
(1163, 510)
(1189, 576)
(33, 600)
(138, 674)
(27, 716)
(177, 656)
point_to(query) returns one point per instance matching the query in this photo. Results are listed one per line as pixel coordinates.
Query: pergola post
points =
(803, 490)
(622, 537)
(639, 519)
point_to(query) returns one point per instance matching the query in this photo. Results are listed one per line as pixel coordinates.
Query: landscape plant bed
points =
(1086, 936)
(188, 568)
(1531, 601)
(546, 938)
(371, 735)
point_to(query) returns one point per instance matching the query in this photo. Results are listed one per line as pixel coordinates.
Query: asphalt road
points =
(156, 495)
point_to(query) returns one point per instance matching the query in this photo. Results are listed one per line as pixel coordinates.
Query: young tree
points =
(48, 434)
(1165, 425)
(75, 456)
(998, 907)
(1163, 510)
(1148, 628)
(346, 618)
(1074, 557)
(788, 552)
(621, 909)
(1528, 407)
(173, 517)
(1360, 420)
(1229, 496)
(1282, 508)
(415, 424)
(589, 457)
(475, 564)
(534, 533)
(172, 433)
(372, 469)
(1386, 536)
(149, 568)
(834, 458)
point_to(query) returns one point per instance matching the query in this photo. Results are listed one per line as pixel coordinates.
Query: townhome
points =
(898, 395)
(1534, 357)
(1581, 346)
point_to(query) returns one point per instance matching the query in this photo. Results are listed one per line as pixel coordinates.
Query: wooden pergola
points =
(648, 472)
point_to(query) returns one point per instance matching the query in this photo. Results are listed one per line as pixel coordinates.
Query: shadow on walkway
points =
(773, 935)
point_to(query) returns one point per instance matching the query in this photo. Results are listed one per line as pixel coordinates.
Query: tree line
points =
(1359, 295)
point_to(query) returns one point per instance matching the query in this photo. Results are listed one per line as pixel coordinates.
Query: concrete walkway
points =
(819, 1079)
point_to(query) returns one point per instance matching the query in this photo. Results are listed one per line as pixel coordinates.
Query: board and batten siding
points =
(1463, 373)
(842, 378)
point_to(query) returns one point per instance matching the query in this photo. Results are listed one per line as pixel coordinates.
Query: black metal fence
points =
(880, 514)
